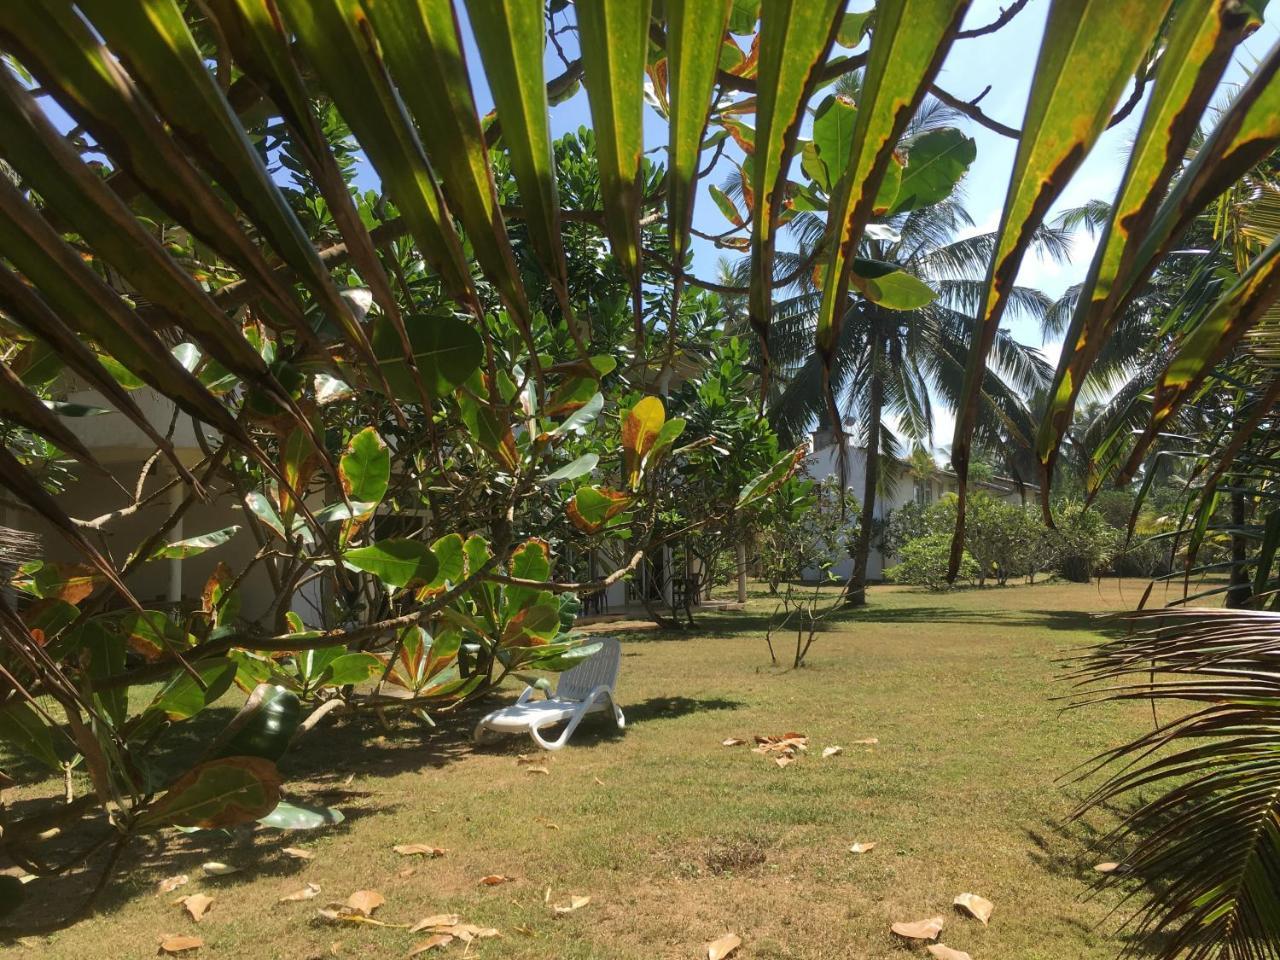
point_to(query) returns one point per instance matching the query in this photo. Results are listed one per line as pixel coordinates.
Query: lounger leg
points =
(478, 735)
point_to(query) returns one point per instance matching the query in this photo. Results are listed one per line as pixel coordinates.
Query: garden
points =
(859, 508)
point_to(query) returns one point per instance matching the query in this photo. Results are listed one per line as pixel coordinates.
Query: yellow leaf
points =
(364, 902)
(421, 849)
(919, 929)
(640, 430)
(721, 948)
(575, 903)
(977, 907)
(174, 945)
(197, 905)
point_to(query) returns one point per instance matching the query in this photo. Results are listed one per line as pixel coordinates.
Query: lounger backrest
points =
(598, 670)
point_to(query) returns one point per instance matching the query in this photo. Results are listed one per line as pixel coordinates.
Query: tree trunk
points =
(1240, 591)
(857, 594)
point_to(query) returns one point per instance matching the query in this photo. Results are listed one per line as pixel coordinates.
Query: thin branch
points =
(1006, 15)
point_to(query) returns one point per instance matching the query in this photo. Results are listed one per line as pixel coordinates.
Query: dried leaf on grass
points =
(863, 847)
(176, 945)
(783, 761)
(536, 770)
(732, 742)
(832, 752)
(919, 929)
(418, 849)
(466, 932)
(365, 902)
(787, 743)
(306, 893)
(977, 907)
(216, 869)
(867, 742)
(494, 879)
(1107, 867)
(298, 853)
(170, 884)
(943, 952)
(436, 920)
(721, 948)
(575, 903)
(436, 942)
(197, 905)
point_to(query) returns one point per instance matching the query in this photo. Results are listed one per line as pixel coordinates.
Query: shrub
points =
(1086, 542)
(923, 563)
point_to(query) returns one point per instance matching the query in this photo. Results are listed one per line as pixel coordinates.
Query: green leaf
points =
(350, 668)
(574, 469)
(832, 139)
(451, 562)
(889, 285)
(106, 657)
(262, 508)
(22, 729)
(726, 205)
(192, 546)
(910, 41)
(771, 479)
(263, 727)
(854, 27)
(593, 507)
(289, 816)
(795, 36)
(514, 73)
(695, 32)
(1200, 45)
(614, 41)
(365, 468)
(396, 562)
(1089, 53)
(583, 417)
(182, 698)
(936, 161)
(218, 793)
(446, 350)
(531, 561)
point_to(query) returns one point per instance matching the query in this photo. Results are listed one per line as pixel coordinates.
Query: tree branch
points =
(1006, 15)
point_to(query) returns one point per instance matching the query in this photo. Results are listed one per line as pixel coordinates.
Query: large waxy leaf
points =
(447, 351)
(22, 729)
(936, 162)
(513, 69)
(217, 793)
(365, 468)
(182, 698)
(1203, 36)
(640, 429)
(396, 562)
(908, 46)
(771, 479)
(263, 727)
(30, 142)
(593, 507)
(695, 32)
(1090, 51)
(795, 37)
(332, 35)
(614, 37)
(59, 47)
(191, 546)
(423, 48)
(290, 816)
(574, 469)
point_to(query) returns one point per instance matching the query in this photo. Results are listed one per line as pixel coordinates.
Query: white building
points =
(901, 488)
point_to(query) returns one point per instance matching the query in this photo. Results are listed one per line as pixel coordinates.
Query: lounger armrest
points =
(527, 694)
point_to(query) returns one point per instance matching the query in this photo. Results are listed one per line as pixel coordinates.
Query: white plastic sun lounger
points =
(587, 688)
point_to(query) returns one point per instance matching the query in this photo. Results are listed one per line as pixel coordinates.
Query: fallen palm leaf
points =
(575, 903)
(436, 920)
(306, 893)
(175, 945)
(170, 884)
(298, 853)
(919, 929)
(216, 869)
(418, 849)
(721, 948)
(197, 905)
(943, 952)
(493, 879)
(832, 752)
(861, 847)
(435, 942)
(977, 907)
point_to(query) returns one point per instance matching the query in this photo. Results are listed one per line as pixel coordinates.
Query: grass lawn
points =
(677, 839)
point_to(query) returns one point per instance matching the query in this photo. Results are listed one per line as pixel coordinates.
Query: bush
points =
(1086, 542)
(924, 560)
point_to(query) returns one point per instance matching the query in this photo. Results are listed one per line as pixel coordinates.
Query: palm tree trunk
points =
(857, 595)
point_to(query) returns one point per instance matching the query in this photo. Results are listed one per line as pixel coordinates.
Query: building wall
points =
(824, 462)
